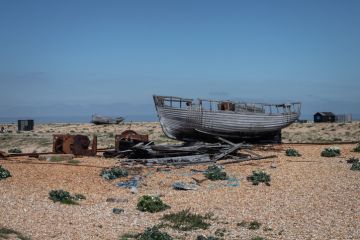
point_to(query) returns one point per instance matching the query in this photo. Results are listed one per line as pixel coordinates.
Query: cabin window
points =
(226, 106)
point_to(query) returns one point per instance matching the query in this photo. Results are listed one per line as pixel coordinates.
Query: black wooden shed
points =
(324, 117)
(25, 125)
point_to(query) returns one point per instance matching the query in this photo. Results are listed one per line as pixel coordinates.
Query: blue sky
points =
(66, 58)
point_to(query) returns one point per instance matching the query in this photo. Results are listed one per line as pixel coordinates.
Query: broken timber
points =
(198, 153)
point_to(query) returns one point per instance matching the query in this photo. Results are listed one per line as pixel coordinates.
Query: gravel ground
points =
(310, 197)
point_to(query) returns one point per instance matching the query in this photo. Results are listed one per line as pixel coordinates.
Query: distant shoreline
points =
(87, 119)
(75, 119)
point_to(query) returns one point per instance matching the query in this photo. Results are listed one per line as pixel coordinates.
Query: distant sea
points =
(75, 119)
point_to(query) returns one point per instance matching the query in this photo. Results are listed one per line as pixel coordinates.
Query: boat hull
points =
(199, 124)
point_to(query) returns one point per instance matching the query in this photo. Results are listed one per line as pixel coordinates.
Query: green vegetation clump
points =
(357, 148)
(331, 152)
(254, 225)
(355, 166)
(292, 153)
(186, 221)
(149, 234)
(154, 234)
(258, 177)
(5, 232)
(65, 197)
(215, 172)
(14, 150)
(4, 173)
(113, 173)
(151, 204)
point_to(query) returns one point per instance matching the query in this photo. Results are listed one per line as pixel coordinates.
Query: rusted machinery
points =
(74, 144)
(129, 138)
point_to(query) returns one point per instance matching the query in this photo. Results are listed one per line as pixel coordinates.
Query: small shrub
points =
(14, 150)
(4, 173)
(154, 234)
(254, 225)
(331, 152)
(357, 148)
(151, 204)
(355, 166)
(113, 173)
(186, 221)
(258, 177)
(214, 173)
(292, 153)
(149, 234)
(352, 160)
(62, 197)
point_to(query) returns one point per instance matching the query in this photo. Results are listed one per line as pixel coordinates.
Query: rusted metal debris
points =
(129, 138)
(74, 144)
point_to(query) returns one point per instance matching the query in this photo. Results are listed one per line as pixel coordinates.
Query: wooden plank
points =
(175, 160)
(227, 152)
(238, 160)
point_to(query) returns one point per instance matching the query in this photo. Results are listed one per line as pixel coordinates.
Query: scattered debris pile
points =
(128, 139)
(145, 152)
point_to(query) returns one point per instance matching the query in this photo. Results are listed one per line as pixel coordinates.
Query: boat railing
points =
(227, 105)
(264, 108)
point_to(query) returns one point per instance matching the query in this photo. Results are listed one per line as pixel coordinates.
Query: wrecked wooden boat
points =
(99, 120)
(206, 120)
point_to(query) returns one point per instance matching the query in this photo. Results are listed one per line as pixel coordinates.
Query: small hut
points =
(324, 117)
(25, 125)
